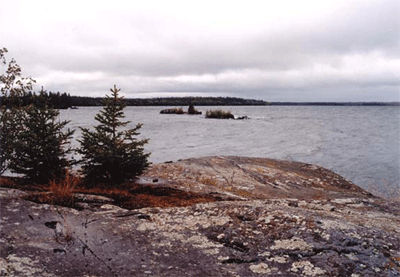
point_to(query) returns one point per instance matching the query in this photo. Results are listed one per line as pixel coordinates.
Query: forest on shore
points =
(65, 100)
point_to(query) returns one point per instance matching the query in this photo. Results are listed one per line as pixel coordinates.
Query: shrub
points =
(219, 114)
(172, 111)
(109, 155)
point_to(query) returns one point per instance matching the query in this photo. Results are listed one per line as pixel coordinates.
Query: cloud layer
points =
(286, 51)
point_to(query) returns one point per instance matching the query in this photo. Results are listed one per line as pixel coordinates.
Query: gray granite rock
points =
(275, 218)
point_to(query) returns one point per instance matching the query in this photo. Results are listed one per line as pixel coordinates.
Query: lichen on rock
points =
(272, 218)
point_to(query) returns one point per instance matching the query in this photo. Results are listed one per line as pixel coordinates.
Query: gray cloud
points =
(348, 51)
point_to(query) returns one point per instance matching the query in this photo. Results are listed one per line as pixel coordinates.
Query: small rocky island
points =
(253, 217)
(191, 111)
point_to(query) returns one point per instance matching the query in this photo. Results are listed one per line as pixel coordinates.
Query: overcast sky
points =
(272, 50)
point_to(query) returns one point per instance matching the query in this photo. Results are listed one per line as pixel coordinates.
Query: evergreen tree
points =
(10, 125)
(31, 141)
(40, 152)
(109, 155)
(13, 87)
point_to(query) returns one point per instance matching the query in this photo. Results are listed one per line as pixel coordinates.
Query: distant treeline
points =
(65, 100)
(196, 101)
(54, 99)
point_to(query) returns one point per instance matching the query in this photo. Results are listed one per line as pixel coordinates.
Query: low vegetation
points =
(172, 111)
(220, 114)
(191, 110)
(128, 195)
(59, 192)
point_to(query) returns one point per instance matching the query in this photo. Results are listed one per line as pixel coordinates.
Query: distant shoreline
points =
(65, 101)
(218, 101)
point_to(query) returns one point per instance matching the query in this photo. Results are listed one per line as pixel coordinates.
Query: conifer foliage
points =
(111, 155)
(40, 146)
(32, 141)
(12, 86)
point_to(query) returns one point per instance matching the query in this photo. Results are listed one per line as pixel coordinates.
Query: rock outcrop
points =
(274, 218)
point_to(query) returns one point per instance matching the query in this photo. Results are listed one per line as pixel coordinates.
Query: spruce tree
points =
(110, 155)
(32, 142)
(13, 87)
(40, 152)
(10, 124)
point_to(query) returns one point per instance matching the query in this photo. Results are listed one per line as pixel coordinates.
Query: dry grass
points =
(128, 196)
(60, 192)
(63, 191)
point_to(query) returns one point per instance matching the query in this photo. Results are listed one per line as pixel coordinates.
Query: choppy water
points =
(360, 143)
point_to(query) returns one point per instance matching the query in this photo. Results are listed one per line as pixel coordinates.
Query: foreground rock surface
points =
(275, 218)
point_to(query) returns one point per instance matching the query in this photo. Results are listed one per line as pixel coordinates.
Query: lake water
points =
(360, 143)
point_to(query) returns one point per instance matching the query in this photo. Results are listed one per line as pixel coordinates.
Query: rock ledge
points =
(275, 218)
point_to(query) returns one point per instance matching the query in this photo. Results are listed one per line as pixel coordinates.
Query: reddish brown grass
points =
(128, 196)
(63, 190)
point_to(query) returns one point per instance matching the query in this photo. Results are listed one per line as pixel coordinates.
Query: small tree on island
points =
(109, 155)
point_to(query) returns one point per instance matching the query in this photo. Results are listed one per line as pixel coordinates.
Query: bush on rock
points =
(219, 114)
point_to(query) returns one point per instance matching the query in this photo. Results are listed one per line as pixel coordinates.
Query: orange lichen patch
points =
(244, 193)
(394, 262)
(208, 181)
(165, 171)
(318, 195)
